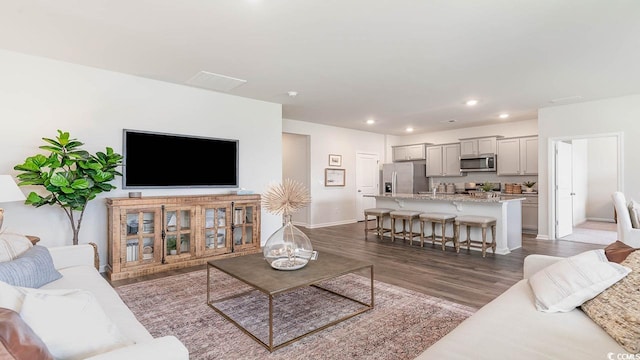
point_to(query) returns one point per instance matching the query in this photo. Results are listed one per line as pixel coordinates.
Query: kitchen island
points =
(507, 211)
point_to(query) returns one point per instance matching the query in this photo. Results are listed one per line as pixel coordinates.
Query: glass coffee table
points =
(315, 285)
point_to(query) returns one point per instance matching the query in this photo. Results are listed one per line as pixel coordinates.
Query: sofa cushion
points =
(88, 278)
(17, 339)
(618, 251)
(69, 321)
(12, 245)
(563, 286)
(33, 268)
(634, 213)
(72, 325)
(510, 327)
(617, 309)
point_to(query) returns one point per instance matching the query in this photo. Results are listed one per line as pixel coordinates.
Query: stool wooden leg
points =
(493, 238)
(411, 232)
(433, 233)
(444, 238)
(421, 233)
(468, 237)
(455, 239)
(366, 227)
(456, 235)
(484, 240)
(393, 229)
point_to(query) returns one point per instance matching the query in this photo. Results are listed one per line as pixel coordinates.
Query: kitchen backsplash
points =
(481, 177)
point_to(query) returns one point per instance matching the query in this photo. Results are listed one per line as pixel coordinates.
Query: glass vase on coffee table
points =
(288, 248)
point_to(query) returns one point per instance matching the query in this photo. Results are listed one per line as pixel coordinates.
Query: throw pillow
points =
(12, 245)
(18, 341)
(618, 251)
(617, 309)
(568, 283)
(73, 326)
(33, 268)
(634, 213)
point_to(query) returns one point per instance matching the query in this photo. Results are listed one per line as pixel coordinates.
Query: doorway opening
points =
(296, 165)
(587, 170)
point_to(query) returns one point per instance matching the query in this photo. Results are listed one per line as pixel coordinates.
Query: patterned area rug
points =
(402, 324)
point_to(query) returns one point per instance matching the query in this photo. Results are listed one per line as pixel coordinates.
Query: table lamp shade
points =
(9, 190)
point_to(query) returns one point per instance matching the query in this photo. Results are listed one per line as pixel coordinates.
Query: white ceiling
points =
(401, 62)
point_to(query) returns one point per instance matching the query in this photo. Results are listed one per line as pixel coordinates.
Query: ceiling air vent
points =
(217, 82)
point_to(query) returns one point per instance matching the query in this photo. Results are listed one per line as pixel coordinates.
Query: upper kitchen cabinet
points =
(518, 156)
(408, 152)
(477, 146)
(443, 160)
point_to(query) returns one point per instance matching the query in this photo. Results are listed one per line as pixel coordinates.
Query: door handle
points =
(359, 190)
(572, 194)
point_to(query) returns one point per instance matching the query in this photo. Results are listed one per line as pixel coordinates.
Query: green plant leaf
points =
(59, 180)
(80, 184)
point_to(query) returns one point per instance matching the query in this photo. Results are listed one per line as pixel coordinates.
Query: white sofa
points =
(626, 233)
(510, 327)
(76, 264)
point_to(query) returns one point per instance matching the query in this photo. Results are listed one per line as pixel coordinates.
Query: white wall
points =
(609, 116)
(602, 171)
(333, 205)
(40, 96)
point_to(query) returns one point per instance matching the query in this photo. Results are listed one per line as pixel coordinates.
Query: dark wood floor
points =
(465, 278)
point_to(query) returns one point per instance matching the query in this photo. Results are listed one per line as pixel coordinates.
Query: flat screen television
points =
(158, 160)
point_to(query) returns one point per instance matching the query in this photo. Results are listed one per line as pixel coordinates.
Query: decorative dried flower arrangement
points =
(285, 198)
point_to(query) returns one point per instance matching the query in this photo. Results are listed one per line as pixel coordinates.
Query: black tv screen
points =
(157, 160)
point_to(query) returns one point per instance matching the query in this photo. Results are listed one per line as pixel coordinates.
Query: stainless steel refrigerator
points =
(404, 178)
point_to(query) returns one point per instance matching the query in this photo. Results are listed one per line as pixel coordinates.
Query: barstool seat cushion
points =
(437, 216)
(405, 213)
(474, 219)
(378, 211)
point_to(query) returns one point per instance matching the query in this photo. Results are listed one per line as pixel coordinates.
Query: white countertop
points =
(444, 197)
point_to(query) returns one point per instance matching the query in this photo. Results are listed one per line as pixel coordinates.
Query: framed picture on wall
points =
(334, 177)
(335, 160)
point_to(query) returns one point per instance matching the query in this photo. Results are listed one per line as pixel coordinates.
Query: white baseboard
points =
(542, 237)
(343, 222)
(601, 219)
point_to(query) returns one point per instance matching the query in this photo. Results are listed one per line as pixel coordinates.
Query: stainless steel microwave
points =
(485, 162)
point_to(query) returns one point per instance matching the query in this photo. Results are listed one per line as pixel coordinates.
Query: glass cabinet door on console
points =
(217, 229)
(179, 235)
(245, 218)
(141, 243)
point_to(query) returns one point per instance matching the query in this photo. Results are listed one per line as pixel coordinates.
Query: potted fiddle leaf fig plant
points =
(69, 176)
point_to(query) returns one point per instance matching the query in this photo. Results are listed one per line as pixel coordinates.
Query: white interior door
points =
(367, 182)
(564, 192)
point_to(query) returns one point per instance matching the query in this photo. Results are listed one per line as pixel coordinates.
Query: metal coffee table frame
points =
(254, 271)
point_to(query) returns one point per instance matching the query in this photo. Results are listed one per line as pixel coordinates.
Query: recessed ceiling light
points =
(371, 121)
(504, 116)
(292, 93)
(409, 129)
(471, 102)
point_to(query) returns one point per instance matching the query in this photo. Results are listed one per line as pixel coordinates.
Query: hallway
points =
(594, 232)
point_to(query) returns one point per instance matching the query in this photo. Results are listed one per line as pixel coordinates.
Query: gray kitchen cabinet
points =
(408, 152)
(518, 156)
(477, 146)
(443, 160)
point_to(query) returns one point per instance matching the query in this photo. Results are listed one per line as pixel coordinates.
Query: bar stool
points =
(438, 218)
(380, 214)
(476, 221)
(405, 216)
